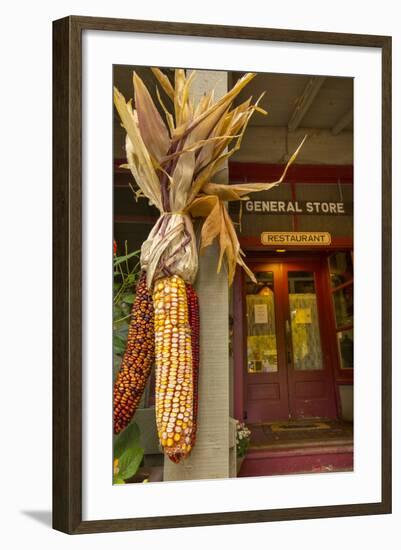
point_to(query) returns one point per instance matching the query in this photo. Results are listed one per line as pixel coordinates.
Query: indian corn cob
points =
(137, 360)
(174, 352)
(194, 322)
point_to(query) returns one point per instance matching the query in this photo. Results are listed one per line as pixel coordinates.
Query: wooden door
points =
(266, 372)
(309, 365)
(289, 369)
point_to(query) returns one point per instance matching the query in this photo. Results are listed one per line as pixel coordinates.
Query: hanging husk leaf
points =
(152, 128)
(174, 166)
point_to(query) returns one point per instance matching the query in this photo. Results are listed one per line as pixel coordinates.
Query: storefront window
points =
(342, 283)
(261, 338)
(341, 269)
(345, 341)
(344, 305)
(305, 334)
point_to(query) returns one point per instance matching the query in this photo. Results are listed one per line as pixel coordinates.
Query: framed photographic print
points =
(222, 275)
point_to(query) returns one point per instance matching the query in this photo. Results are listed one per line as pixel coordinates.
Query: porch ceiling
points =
(326, 101)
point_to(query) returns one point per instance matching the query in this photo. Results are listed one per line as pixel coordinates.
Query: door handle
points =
(288, 341)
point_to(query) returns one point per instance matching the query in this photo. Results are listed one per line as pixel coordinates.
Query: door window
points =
(261, 321)
(304, 321)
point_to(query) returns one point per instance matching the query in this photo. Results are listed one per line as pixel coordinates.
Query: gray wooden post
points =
(210, 456)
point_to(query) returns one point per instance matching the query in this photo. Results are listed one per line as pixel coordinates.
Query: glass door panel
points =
(261, 324)
(304, 321)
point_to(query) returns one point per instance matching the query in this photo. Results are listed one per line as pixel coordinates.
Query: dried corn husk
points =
(174, 165)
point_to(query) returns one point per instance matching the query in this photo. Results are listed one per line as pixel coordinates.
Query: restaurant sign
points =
(296, 238)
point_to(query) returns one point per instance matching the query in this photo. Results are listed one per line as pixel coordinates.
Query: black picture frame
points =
(67, 274)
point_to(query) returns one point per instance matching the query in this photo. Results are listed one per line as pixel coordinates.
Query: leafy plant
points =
(128, 453)
(243, 438)
(126, 274)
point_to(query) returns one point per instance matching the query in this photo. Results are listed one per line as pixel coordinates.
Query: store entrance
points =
(289, 367)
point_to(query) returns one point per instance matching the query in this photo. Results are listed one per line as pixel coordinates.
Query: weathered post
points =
(210, 456)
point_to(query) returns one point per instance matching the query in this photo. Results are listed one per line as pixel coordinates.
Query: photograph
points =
(232, 267)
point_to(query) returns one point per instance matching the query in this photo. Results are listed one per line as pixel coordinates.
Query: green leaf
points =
(118, 345)
(132, 279)
(118, 480)
(119, 341)
(121, 330)
(117, 312)
(129, 462)
(118, 350)
(116, 365)
(120, 259)
(133, 275)
(126, 308)
(129, 298)
(127, 439)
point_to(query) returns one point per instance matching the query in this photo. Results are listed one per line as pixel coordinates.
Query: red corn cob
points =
(138, 358)
(193, 318)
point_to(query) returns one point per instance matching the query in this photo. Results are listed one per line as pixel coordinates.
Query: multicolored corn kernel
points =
(174, 367)
(194, 321)
(137, 360)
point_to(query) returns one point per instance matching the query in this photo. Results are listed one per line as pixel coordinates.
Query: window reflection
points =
(342, 281)
(345, 340)
(305, 333)
(341, 268)
(344, 305)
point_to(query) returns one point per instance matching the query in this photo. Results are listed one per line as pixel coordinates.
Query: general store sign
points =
(296, 238)
(319, 208)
